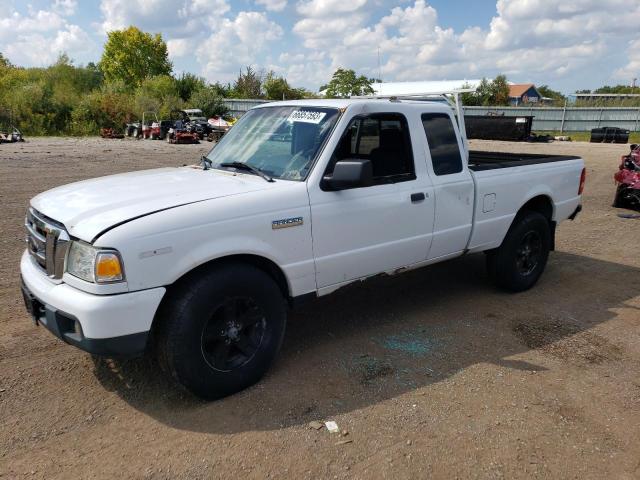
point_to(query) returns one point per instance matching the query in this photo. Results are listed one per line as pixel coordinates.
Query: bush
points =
(102, 109)
(209, 101)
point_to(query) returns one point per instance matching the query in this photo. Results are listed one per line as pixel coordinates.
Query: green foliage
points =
(345, 83)
(132, 55)
(488, 93)
(546, 91)
(103, 108)
(277, 88)
(618, 89)
(158, 94)
(40, 101)
(610, 101)
(209, 101)
(248, 84)
(4, 63)
(188, 83)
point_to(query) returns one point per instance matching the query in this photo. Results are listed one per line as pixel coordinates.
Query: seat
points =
(389, 158)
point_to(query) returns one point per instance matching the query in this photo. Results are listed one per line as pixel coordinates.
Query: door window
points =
(443, 143)
(384, 140)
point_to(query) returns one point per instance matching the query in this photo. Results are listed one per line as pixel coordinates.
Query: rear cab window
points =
(443, 143)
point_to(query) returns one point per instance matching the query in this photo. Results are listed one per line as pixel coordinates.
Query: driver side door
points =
(359, 232)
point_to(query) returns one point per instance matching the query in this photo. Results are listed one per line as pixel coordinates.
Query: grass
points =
(634, 137)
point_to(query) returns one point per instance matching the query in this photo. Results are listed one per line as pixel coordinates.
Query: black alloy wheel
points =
(233, 334)
(529, 253)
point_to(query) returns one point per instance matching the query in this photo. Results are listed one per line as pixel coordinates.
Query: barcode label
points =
(306, 116)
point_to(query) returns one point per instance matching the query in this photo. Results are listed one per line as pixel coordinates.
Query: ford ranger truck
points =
(198, 265)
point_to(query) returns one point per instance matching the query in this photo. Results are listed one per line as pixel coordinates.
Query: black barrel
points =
(609, 135)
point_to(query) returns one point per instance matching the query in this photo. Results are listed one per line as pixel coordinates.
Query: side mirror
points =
(351, 173)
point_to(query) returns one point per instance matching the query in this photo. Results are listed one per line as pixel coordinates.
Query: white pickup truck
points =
(199, 264)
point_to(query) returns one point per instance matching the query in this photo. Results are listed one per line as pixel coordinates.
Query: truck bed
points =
(479, 160)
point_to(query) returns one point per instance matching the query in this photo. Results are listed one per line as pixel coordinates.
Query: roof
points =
(412, 88)
(516, 90)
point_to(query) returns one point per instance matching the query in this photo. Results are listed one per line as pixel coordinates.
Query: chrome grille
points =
(47, 242)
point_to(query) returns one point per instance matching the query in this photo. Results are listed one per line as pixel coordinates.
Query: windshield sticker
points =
(306, 116)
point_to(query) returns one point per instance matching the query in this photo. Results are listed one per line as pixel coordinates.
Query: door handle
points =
(417, 197)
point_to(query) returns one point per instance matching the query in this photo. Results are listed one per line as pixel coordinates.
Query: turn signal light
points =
(108, 267)
(583, 179)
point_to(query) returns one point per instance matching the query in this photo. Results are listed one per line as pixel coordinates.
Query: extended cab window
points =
(384, 140)
(443, 143)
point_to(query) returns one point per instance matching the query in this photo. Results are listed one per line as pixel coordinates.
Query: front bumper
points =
(109, 325)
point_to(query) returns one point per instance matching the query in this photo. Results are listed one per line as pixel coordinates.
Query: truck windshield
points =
(280, 141)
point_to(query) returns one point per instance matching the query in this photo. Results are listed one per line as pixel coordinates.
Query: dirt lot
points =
(434, 374)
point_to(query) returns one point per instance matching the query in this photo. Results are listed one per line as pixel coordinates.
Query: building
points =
(523, 93)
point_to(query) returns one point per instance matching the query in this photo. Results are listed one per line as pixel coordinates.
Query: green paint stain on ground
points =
(408, 343)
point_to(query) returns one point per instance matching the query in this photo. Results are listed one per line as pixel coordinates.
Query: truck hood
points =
(90, 207)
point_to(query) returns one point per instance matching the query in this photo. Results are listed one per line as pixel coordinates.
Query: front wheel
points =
(518, 263)
(220, 330)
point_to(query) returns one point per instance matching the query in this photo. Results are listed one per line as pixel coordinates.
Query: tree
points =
(499, 91)
(488, 93)
(277, 88)
(132, 55)
(188, 83)
(248, 84)
(209, 101)
(158, 94)
(547, 92)
(345, 83)
(4, 62)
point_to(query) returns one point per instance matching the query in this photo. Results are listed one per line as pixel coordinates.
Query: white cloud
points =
(632, 69)
(329, 8)
(170, 17)
(39, 36)
(273, 5)
(65, 7)
(237, 42)
(537, 40)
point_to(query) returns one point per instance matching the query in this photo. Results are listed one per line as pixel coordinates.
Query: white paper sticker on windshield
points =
(306, 116)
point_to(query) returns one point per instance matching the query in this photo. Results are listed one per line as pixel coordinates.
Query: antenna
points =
(379, 67)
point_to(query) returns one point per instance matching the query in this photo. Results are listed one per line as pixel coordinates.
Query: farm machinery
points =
(11, 135)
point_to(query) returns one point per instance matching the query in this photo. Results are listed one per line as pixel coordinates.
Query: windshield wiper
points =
(205, 162)
(249, 168)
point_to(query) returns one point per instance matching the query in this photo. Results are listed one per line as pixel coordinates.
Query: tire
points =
(220, 330)
(619, 200)
(517, 264)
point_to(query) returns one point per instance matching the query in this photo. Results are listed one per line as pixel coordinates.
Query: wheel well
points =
(541, 204)
(257, 261)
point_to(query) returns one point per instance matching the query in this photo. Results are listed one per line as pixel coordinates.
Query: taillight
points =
(583, 179)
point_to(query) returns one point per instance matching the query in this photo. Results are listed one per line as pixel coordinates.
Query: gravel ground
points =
(432, 374)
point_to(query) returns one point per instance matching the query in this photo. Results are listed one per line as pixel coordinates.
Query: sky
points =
(569, 45)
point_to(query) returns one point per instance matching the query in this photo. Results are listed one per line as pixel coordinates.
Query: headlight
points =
(93, 264)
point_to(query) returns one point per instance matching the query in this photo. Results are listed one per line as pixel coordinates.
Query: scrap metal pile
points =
(183, 126)
(11, 135)
(628, 180)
